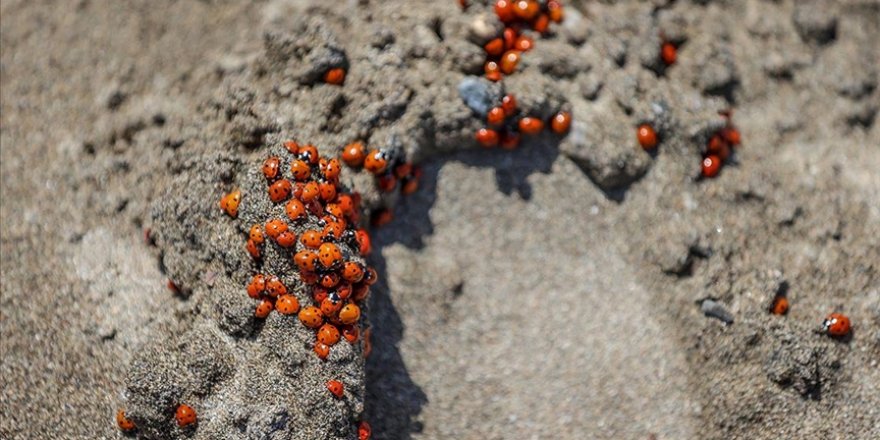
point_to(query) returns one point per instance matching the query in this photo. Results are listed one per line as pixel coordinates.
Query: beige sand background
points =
(525, 294)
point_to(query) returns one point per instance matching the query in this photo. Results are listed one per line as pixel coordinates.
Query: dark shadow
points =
(393, 400)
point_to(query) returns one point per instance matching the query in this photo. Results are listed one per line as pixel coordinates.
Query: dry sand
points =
(550, 292)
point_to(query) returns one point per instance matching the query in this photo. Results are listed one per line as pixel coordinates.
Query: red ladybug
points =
(364, 430)
(711, 166)
(264, 308)
(125, 424)
(229, 203)
(837, 325)
(287, 304)
(336, 388)
(280, 190)
(647, 136)
(185, 415)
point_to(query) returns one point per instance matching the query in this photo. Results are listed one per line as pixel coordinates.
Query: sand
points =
(553, 291)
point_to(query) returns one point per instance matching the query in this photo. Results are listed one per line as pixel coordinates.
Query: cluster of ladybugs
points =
(718, 149)
(390, 169)
(336, 284)
(506, 124)
(185, 416)
(503, 51)
(313, 199)
(836, 325)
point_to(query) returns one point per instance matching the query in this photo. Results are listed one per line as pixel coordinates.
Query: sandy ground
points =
(553, 291)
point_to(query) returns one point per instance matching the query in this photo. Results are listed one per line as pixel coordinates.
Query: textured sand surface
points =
(553, 291)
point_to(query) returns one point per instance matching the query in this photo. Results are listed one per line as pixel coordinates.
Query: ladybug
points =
(280, 190)
(646, 136)
(376, 161)
(493, 72)
(541, 23)
(330, 255)
(344, 290)
(350, 333)
(345, 204)
(711, 166)
(387, 182)
(509, 61)
(837, 325)
(331, 305)
(229, 203)
(718, 146)
(504, 10)
(668, 53)
(185, 415)
(300, 170)
(364, 242)
(319, 293)
(309, 154)
(382, 217)
(308, 277)
(263, 309)
(271, 167)
(311, 317)
(529, 125)
(256, 234)
(495, 116)
(275, 227)
(524, 44)
(526, 9)
(354, 154)
(287, 304)
(368, 342)
(336, 388)
(364, 430)
(274, 286)
(560, 122)
(125, 424)
(330, 280)
(295, 209)
(335, 76)
(322, 350)
(331, 170)
(555, 11)
(403, 170)
(370, 276)
(487, 137)
(257, 286)
(310, 191)
(508, 104)
(291, 146)
(311, 239)
(305, 260)
(286, 239)
(410, 185)
(350, 313)
(360, 291)
(327, 191)
(328, 334)
(333, 230)
(352, 272)
(509, 141)
(494, 47)
(779, 306)
(253, 249)
(731, 135)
